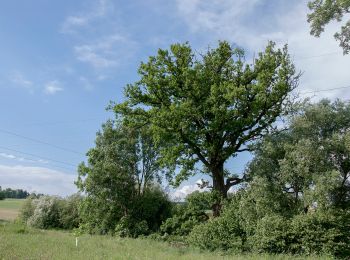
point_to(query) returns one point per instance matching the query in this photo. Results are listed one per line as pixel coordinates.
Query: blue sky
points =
(61, 62)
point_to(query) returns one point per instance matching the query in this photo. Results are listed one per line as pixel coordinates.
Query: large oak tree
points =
(203, 109)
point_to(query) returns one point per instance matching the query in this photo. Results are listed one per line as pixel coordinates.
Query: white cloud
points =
(74, 22)
(251, 24)
(101, 44)
(22, 159)
(38, 179)
(105, 52)
(181, 193)
(7, 156)
(18, 79)
(52, 87)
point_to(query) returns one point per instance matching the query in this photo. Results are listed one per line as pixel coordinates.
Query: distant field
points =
(20, 242)
(9, 208)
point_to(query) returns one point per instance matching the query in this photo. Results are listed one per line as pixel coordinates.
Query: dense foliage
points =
(297, 197)
(119, 182)
(51, 212)
(187, 215)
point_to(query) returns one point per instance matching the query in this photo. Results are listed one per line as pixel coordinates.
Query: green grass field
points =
(9, 208)
(20, 242)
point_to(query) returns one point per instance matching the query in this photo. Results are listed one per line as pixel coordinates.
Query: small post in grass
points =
(77, 232)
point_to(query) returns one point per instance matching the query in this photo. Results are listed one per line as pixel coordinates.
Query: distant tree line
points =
(9, 193)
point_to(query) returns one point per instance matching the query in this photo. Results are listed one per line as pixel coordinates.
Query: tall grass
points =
(20, 242)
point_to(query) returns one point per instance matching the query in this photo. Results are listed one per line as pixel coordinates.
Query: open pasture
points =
(9, 208)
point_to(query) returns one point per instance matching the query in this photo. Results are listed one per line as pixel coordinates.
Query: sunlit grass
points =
(20, 242)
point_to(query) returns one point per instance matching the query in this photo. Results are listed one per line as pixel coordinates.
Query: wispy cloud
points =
(74, 22)
(99, 41)
(22, 159)
(52, 87)
(18, 79)
(251, 24)
(215, 15)
(38, 179)
(103, 53)
(7, 156)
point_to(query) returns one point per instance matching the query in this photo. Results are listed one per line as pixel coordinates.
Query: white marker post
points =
(76, 241)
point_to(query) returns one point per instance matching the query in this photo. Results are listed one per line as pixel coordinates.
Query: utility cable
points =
(38, 156)
(40, 142)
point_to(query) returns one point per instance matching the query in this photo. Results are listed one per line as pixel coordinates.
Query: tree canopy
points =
(118, 182)
(203, 109)
(309, 163)
(325, 11)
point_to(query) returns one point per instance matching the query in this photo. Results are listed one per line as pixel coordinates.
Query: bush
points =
(314, 233)
(153, 207)
(69, 213)
(129, 227)
(146, 214)
(271, 235)
(46, 213)
(184, 219)
(321, 233)
(27, 209)
(200, 200)
(220, 233)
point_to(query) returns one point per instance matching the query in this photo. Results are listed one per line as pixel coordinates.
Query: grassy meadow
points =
(17, 241)
(9, 208)
(20, 242)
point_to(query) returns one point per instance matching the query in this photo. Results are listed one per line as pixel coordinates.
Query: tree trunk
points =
(219, 187)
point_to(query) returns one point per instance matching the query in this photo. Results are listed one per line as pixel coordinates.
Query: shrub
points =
(129, 227)
(184, 219)
(321, 232)
(148, 211)
(314, 233)
(153, 207)
(219, 233)
(46, 213)
(271, 235)
(223, 233)
(200, 200)
(27, 209)
(69, 213)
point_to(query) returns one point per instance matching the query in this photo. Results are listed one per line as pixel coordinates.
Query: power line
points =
(323, 90)
(41, 142)
(317, 56)
(38, 156)
(67, 122)
(62, 122)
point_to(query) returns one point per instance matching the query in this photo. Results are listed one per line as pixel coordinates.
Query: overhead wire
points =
(317, 56)
(41, 142)
(323, 90)
(39, 157)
